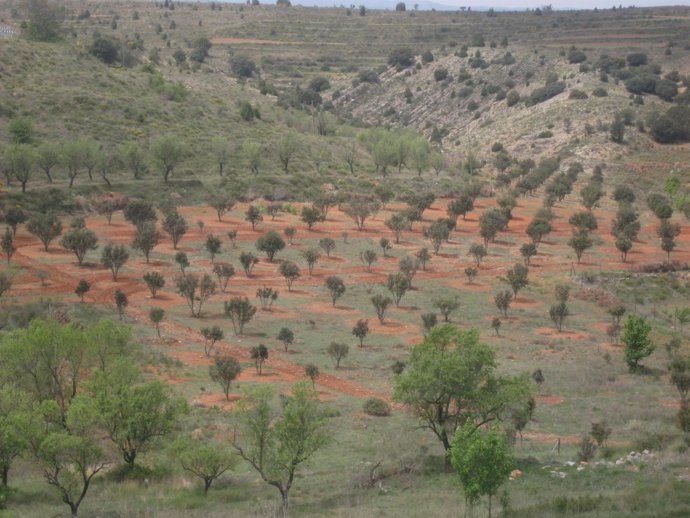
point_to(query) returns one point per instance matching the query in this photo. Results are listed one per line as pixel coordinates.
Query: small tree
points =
(121, 302)
(146, 238)
(385, 245)
(167, 154)
(187, 286)
(253, 215)
(527, 251)
(114, 257)
(361, 330)
(482, 460)
(460, 207)
(381, 303)
(259, 354)
(156, 316)
(336, 287)
(517, 278)
(286, 336)
(267, 296)
(397, 224)
(398, 285)
(154, 281)
(139, 212)
(5, 283)
(14, 216)
(211, 336)
(537, 229)
(290, 233)
(311, 216)
(240, 311)
(224, 370)
(204, 459)
(408, 266)
(248, 260)
(232, 236)
(312, 372)
(45, 226)
(429, 320)
(327, 244)
(270, 243)
(175, 225)
(83, 287)
(580, 242)
(224, 272)
(311, 256)
(471, 272)
(8, 244)
(503, 299)
(290, 271)
(437, 233)
(446, 306)
(496, 325)
(182, 261)
(558, 313)
(635, 336)
(213, 246)
(338, 351)
(368, 257)
(600, 432)
(478, 253)
(221, 203)
(624, 245)
(423, 257)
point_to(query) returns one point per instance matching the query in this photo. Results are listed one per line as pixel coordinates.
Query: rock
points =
(516, 473)
(569, 463)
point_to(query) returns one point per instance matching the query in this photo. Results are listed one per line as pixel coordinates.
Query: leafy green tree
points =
(336, 287)
(381, 303)
(132, 157)
(558, 313)
(368, 257)
(47, 158)
(154, 282)
(360, 208)
(290, 271)
(187, 286)
(253, 215)
(248, 260)
(224, 272)
(213, 246)
(121, 302)
(267, 296)
(146, 238)
(437, 233)
(517, 277)
(72, 157)
(584, 220)
(211, 336)
(5, 283)
(182, 261)
(44, 19)
(397, 224)
(114, 257)
(15, 418)
(167, 153)
(398, 285)
(156, 316)
(253, 152)
(635, 336)
(429, 320)
(580, 241)
(175, 225)
(270, 243)
(361, 330)
(224, 371)
(311, 256)
(527, 251)
(138, 212)
(460, 207)
(312, 372)
(446, 305)
(133, 413)
(83, 287)
(385, 245)
(491, 222)
(423, 257)
(311, 215)
(45, 226)
(277, 445)
(478, 253)
(240, 311)
(482, 460)
(14, 216)
(537, 229)
(204, 459)
(450, 381)
(21, 130)
(286, 336)
(20, 160)
(79, 241)
(503, 299)
(259, 353)
(221, 203)
(338, 351)
(327, 244)
(626, 224)
(7, 244)
(623, 245)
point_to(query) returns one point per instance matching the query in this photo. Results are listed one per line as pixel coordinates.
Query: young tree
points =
(635, 336)
(437, 233)
(132, 157)
(154, 281)
(327, 244)
(224, 370)
(121, 302)
(537, 229)
(381, 303)
(114, 257)
(368, 257)
(517, 278)
(139, 212)
(267, 296)
(232, 236)
(211, 336)
(311, 215)
(496, 325)
(502, 299)
(20, 160)
(182, 261)
(626, 223)
(156, 316)
(397, 224)
(360, 208)
(312, 372)
(221, 203)
(385, 245)
(478, 253)
(558, 313)
(240, 311)
(146, 238)
(175, 225)
(580, 242)
(248, 261)
(187, 286)
(167, 153)
(276, 446)
(460, 207)
(290, 233)
(83, 287)
(336, 287)
(204, 459)
(623, 245)
(270, 243)
(451, 381)
(482, 460)
(45, 226)
(471, 272)
(398, 285)
(253, 215)
(213, 246)
(290, 271)
(527, 251)
(361, 330)
(491, 222)
(287, 147)
(253, 152)
(5, 283)
(259, 353)
(224, 272)
(338, 351)
(7, 244)
(408, 266)
(446, 305)
(14, 216)
(311, 256)
(423, 257)
(286, 336)
(584, 220)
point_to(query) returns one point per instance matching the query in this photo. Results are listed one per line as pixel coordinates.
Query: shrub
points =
(440, 74)
(403, 57)
(368, 76)
(242, 66)
(577, 94)
(672, 126)
(636, 59)
(576, 56)
(545, 93)
(600, 91)
(512, 98)
(642, 83)
(377, 407)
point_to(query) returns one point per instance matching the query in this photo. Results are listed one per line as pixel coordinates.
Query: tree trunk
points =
(4, 474)
(284, 494)
(71, 181)
(489, 506)
(23, 186)
(207, 485)
(74, 508)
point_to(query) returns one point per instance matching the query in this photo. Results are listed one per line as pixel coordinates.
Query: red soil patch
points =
(216, 400)
(548, 400)
(239, 41)
(571, 335)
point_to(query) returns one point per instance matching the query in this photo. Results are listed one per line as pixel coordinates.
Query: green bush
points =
(512, 98)
(578, 94)
(440, 74)
(377, 407)
(545, 93)
(600, 91)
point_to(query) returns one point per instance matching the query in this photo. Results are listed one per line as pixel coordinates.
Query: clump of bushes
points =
(545, 93)
(578, 94)
(377, 407)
